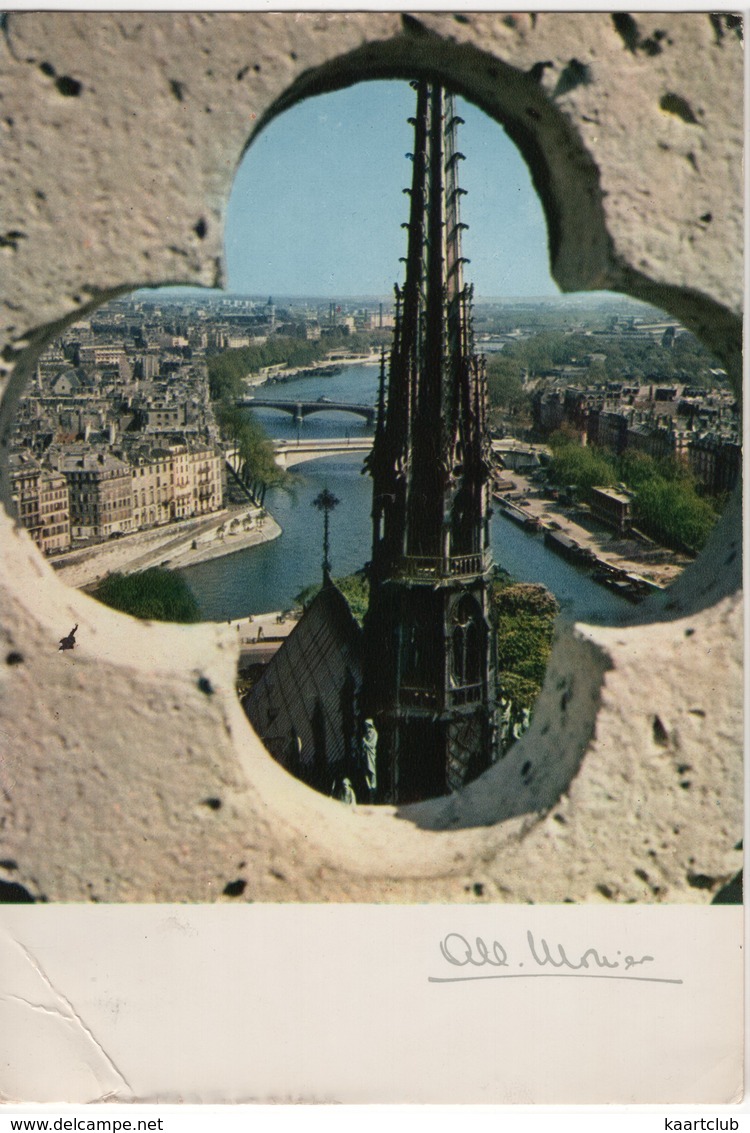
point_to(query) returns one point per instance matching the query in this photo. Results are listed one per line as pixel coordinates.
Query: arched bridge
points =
(289, 453)
(301, 409)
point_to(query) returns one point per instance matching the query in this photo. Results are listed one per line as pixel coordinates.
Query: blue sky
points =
(317, 204)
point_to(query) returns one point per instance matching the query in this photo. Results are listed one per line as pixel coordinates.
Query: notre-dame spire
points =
(429, 679)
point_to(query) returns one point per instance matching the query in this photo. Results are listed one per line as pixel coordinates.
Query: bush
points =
(155, 594)
(524, 642)
(356, 590)
(520, 691)
(525, 597)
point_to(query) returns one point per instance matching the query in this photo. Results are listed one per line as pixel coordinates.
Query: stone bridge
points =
(290, 453)
(301, 409)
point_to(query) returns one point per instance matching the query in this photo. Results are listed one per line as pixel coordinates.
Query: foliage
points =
(612, 357)
(673, 512)
(505, 385)
(520, 691)
(356, 590)
(524, 618)
(354, 587)
(585, 466)
(524, 642)
(155, 594)
(227, 370)
(255, 451)
(525, 597)
(666, 504)
(637, 468)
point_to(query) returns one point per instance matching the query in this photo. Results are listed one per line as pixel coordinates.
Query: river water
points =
(270, 576)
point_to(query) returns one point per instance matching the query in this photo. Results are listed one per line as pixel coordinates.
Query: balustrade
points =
(452, 566)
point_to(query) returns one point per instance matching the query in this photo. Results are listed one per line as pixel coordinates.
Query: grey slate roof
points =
(304, 707)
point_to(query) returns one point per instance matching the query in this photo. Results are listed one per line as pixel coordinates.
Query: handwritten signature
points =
(458, 951)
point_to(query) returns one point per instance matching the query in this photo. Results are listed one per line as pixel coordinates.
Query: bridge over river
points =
(301, 409)
(515, 454)
(289, 453)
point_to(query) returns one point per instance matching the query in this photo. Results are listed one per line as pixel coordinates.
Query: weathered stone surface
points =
(121, 135)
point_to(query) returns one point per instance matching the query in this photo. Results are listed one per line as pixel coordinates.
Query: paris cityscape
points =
(523, 456)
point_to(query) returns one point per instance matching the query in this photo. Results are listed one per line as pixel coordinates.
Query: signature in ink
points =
(461, 952)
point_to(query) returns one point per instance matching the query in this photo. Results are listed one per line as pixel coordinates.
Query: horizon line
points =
(192, 291)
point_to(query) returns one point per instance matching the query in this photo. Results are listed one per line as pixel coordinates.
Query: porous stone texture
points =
(127, 769)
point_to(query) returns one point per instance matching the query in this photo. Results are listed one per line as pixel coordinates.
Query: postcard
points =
(371, 718)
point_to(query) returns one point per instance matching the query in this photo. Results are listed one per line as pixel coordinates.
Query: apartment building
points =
(41, 502)
(100, 494)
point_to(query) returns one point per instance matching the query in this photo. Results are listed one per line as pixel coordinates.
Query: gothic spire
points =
(429, 668)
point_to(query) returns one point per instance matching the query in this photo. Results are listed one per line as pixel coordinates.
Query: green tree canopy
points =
(155, 594)
(674, 513)
(585, 466)
(505, 385)
(254, 449)
(524, 617)
(666, 504)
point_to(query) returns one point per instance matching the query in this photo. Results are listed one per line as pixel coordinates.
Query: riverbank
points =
(177, 545)
(628, 554)
(270, 376)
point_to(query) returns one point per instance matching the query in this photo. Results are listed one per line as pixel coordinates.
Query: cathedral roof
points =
(304, 705)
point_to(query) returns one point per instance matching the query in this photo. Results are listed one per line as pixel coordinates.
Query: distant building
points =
(152, 490)
(695, 427)
(26, 476)
(101, 354)
(613, 508)
(716, 462)
(176, 482)
(70, 382)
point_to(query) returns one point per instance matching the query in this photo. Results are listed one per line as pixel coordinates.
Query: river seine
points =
(271, 575)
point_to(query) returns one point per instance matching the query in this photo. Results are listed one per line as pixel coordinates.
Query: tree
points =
(155, 595)
(523, 615)
(255, 455)
(586, 467)
(354, 587)
(505, 385)
(672, 512)
(666, 504)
